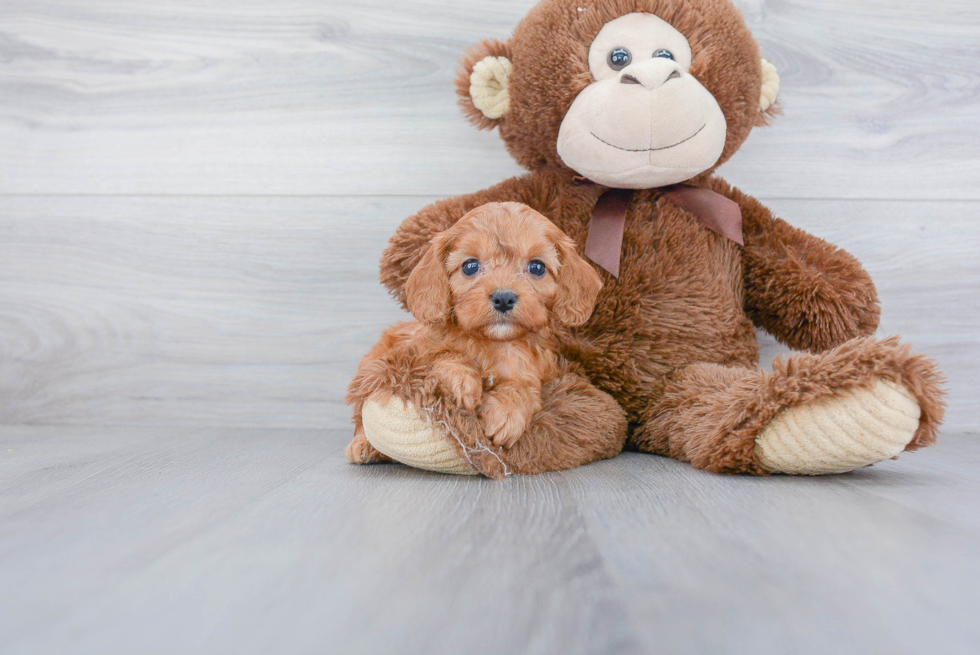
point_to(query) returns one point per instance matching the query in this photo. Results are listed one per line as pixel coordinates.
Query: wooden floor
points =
(193, 200)
(161, 540)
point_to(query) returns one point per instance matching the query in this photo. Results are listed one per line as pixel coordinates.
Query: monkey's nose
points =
(503, 300)
(652, 74)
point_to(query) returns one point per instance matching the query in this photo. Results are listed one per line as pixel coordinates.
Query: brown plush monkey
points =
(621, 110)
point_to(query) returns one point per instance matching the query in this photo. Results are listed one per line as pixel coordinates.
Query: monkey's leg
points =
(577, 424)
(831, 412)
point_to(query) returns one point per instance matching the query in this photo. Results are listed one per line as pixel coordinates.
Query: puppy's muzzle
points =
(503, 300)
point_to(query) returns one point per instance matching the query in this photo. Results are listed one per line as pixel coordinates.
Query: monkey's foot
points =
(577, 424)
(397, 430)
(840, 432)
(815, 413)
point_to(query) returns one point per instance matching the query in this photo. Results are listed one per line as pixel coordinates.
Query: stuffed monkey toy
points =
(621, 110)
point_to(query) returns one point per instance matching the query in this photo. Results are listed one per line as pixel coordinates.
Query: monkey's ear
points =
(768, 107)
(427, 292)
(482, 82)
(578, 285)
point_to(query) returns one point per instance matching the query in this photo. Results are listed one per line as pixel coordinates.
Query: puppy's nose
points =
(503, 300)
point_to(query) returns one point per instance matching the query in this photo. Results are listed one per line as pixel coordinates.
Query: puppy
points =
(486, 295)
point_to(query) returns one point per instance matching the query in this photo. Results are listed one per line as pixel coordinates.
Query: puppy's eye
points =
(619, 59)
(666, 54)
(471, 267)
(536, 268)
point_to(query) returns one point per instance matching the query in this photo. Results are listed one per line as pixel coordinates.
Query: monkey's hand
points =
(411, 239)
(807, 293)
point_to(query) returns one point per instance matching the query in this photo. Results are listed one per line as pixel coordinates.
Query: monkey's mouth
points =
(649, 149)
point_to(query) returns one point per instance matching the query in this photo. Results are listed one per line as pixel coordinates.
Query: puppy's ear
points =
(427, 292)
(578, 285)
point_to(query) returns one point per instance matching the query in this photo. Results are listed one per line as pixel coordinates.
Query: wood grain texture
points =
(882, 99)
(255, 312)
(787, 565)
(266, 541)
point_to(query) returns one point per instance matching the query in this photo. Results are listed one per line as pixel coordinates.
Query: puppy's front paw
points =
(503, 425)
(468, 391)
(462, 383)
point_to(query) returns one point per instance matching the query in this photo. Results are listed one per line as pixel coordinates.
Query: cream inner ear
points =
(770, 85)
(488, 86)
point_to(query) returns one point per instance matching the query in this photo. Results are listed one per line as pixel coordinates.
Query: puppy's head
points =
(500, 272)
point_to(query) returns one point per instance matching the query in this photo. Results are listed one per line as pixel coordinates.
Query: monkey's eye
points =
(619, 59)
(536, 268)
(471, 267)
(666, 54)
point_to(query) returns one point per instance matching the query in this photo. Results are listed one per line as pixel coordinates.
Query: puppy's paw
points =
(462, 383)
(468, 391)
(502, 424)
(360, 451)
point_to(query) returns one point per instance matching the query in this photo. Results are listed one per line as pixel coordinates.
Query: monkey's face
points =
(645, 121)
(628, 93)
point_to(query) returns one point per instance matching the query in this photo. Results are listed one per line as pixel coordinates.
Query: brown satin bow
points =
(604, 244)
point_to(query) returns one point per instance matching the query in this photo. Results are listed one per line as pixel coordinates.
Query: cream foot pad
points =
(396, 429)
(841, 432)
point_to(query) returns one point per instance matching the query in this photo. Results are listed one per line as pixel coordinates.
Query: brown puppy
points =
(486, 294)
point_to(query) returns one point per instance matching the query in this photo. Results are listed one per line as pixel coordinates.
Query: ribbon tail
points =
(604, 244)
(713, 210)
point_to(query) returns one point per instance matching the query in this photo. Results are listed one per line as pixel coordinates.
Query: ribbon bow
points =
(604, 244)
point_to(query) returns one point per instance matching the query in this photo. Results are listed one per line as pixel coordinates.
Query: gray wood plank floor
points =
(193, 199)
(159, 540)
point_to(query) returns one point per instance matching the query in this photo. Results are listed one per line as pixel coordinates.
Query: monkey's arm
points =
(807, 293)
(411, 239)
